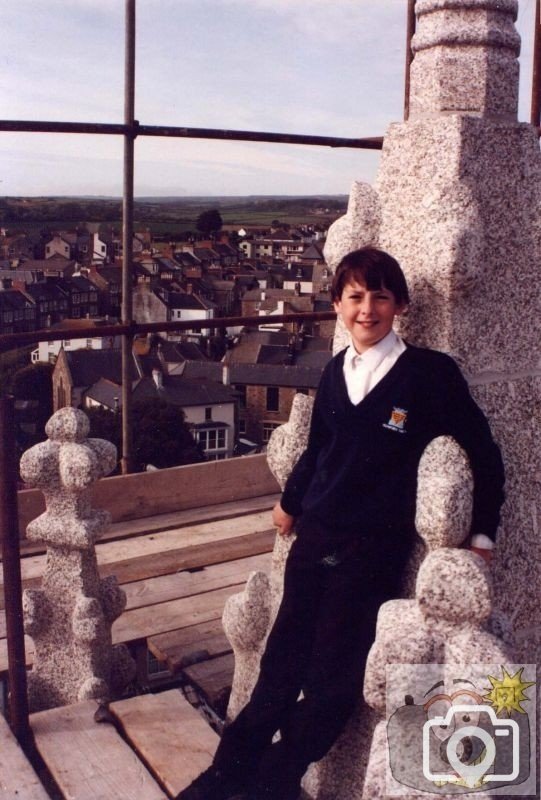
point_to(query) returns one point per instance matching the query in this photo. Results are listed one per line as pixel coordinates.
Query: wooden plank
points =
(149, 620)
(178, 488)
(118, 557)
(29, 653)
(192, 516)
(149, 493)
(181, 648)
(89, 760)
(145, 621)
(170, 736)
(163, 553)
(174, 519)
(214, 679)
(184, 583)
(189, 582)
(17, 776)
(139, 623)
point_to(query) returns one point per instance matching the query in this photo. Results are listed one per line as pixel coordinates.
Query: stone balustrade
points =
(70, 616)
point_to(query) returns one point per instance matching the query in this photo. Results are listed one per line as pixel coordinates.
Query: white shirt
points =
(363, 371)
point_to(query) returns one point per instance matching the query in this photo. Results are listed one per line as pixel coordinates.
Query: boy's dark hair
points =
(375, 269)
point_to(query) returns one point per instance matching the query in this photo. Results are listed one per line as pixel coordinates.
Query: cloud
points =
(330, 21)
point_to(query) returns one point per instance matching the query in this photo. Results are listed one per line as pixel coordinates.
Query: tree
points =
(160, 434)
(209, 222)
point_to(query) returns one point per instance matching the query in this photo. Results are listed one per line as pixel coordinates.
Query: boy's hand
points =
(282, 521)
(484, 552)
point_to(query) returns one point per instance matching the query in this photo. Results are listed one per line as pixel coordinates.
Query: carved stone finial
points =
(443, 627)
(70, 617)
(359, 227)
(466, 58)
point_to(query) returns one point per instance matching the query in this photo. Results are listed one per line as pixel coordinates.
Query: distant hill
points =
(168, 214)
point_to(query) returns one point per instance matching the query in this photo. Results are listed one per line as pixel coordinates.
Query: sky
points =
(327, 67)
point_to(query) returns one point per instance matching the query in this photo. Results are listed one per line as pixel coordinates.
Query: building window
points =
(213, 439)
(242, 426)
(273, 398)
(268, 428)
(208, 414)
(301, 391)
(241, 391)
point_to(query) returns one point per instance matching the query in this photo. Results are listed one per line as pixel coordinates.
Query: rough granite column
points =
(457, 201)
(70, 617)
(458, 195)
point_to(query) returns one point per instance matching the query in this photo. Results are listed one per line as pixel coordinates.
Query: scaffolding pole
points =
(127, 234)
(9, 536)
(410, 30)
(536, 79)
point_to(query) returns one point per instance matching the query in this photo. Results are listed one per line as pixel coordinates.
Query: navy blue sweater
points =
(358, 475)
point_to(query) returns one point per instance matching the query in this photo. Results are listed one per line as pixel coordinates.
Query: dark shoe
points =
(211, 785)
(278, 775)
(265, 793)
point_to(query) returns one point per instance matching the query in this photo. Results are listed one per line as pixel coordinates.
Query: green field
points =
(166, 215)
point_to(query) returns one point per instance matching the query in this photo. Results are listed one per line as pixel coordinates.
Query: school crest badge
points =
(397, 420)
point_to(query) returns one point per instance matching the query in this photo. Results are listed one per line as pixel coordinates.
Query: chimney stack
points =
(157, 377)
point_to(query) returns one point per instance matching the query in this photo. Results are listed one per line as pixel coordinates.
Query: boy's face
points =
(368, 315)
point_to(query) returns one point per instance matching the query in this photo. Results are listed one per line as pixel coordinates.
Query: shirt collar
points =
(372, 358)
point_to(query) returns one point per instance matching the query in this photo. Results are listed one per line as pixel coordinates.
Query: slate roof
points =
(183, 300)
(181, 391)
(23, 275)
(224, 249)
(314, 251)
(105, 393)
(206, 254)
(175, 352)
(87, 367)
(48, 265)
(13, 300)
(48, 290)
(76, 283)
(257, 374)
(187, 259)
(111, 274)
(251, 341)
(276, 375)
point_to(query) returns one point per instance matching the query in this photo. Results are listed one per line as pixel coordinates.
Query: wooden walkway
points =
(177, 570)
(153, 746)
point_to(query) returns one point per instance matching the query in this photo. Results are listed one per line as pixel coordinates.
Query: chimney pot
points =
(157, 377)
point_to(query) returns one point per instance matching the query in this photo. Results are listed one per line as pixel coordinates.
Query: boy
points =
(352, 494)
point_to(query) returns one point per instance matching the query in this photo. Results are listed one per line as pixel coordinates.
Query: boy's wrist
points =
(480, 541)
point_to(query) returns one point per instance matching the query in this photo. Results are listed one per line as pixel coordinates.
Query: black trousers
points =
(319, 643)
